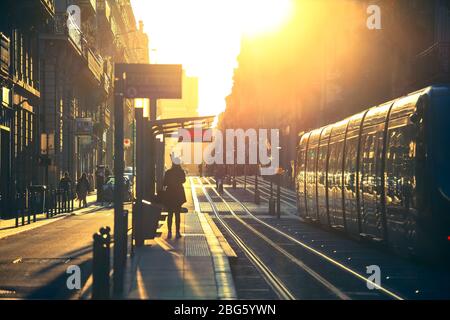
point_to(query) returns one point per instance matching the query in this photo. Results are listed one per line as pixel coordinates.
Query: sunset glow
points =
(205, 36)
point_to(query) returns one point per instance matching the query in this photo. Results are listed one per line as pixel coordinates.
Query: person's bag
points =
(161, 197)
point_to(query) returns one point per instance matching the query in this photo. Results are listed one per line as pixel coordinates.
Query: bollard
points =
(125, 233)
(271, 206)
(22, 208)
(101, 264)
(46, 206)
(51, 202)
(35, 209)
(67, 201)
(58, 200)
(256, 190)
(278, 198)
(16, 207)
(27, 205)
(72, 199)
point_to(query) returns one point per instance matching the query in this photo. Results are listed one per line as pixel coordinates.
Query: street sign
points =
(84, 126)
(153, 81)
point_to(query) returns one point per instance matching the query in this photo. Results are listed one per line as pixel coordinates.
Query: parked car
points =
(108, 189)
(128, 172)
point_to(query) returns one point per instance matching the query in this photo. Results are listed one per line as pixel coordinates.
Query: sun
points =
(205, 37)
(262, 16)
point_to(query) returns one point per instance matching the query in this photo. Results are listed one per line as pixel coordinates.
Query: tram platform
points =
(195, 266)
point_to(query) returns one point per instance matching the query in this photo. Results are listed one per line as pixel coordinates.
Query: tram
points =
(383, 174)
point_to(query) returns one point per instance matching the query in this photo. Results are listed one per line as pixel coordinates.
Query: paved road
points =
(33, 264)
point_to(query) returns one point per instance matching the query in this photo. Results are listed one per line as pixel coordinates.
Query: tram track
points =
(275, 283)
(267, 233)
(264, 188)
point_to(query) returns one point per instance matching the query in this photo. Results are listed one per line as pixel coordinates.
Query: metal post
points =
(234, 174)
(152, 157)
(137, 208)
(27, 205)
(278, 196)
(271, 201)
(256, 186)
(35, 209)
(119, 237)
(245, 176)
(101, 264)
(17, 204)
(22, 208)
(71, 200)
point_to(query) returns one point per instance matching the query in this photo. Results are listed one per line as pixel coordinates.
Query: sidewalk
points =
(193, 267)
(8, 227)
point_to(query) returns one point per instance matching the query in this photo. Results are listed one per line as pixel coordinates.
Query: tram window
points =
(400, 165)
(301, 163)
(311, 164)
(322, 164)
(350, 163)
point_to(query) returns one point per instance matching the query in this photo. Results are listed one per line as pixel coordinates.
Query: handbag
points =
(161, 197)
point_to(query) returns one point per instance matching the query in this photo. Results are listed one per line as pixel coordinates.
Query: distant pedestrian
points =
(219, 176)
(200, 169)
(65, 185)
(82, 190)
(173, 181)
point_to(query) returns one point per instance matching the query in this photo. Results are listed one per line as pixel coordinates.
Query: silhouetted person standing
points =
(219, 176)
(65, 185)
(200, 169)
(82, 190)
(175, 197)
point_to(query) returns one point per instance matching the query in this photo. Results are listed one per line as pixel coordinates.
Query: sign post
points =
(120, 235)
(137, 81)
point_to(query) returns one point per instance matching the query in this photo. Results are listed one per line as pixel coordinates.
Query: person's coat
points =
(174, 194)
(82, 188)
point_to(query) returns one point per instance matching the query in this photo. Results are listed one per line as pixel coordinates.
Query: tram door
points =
(4, 171)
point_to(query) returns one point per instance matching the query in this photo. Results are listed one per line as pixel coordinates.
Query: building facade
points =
(325, 64)
(56, 85)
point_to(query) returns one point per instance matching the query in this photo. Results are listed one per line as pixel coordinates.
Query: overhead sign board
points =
(153, 81)
(84, 126)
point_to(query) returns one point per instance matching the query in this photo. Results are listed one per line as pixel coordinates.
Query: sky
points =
(204, 36)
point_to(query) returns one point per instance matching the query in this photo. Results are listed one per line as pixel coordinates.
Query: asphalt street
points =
(33, 264)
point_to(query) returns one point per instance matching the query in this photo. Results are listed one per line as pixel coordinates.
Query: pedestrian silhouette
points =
(82, 190)
(65, 185)
(175, 196)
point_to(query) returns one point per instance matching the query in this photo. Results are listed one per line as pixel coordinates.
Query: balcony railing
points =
(433, 64)
(68, 28)
(4, 55)
(89, 6)
(95, 64)
(49, 5)
(73, 32)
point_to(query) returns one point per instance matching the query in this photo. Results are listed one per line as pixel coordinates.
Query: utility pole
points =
(120, 234)
(139, 177)
(152, 156)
